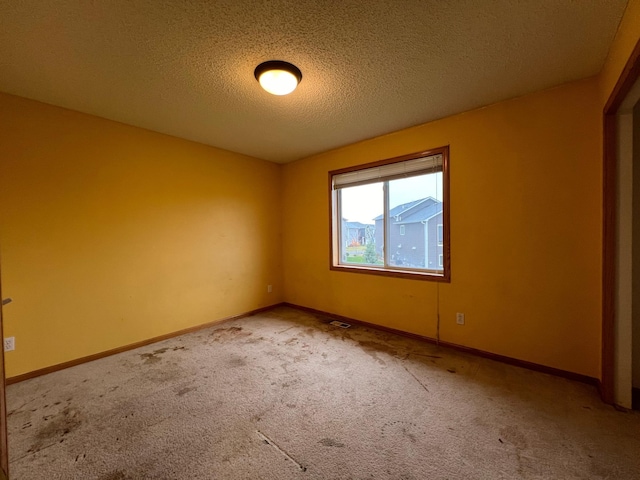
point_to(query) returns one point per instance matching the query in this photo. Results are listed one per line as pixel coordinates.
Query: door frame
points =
(4, 442)
(625, 83)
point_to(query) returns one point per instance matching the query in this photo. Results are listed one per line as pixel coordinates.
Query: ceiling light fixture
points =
(278, 77)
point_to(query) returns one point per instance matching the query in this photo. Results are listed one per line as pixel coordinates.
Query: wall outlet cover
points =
(9, 344)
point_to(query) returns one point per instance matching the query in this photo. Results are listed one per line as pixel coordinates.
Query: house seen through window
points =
(391, 217)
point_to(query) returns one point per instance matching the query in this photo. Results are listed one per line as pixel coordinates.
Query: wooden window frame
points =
(395, 271)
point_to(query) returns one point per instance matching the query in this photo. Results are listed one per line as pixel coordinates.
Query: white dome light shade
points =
(278, 82)
(277, 77)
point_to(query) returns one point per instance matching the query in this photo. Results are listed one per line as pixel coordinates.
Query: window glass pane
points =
(361, 234)
(415, 209)
(388, 218)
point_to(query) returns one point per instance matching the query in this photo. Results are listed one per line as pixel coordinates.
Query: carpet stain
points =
(291, 383)
(514, 436)
(185, 390)
(154, 357)
(149, 358)
(166, 373)
(57, 428)
(301, 358)
(343, 335)
(236, 362)
(117, 475)
(373, 348)
(229, 333)
(407, 433)
(425, 355)
(330, 442)
(406, 430)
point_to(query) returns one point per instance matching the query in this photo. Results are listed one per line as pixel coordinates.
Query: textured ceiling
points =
(185, 67)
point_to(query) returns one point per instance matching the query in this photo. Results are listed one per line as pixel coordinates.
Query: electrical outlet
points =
(269, 288)
(460, 318)
(9, 344)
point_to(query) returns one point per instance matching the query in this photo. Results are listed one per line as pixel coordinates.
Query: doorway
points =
(621, 239)
(627, 261)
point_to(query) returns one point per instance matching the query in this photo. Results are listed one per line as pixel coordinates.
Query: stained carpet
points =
(286, 395)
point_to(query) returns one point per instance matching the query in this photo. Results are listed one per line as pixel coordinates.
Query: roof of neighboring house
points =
(422, 214)
(407, 206)
(357, 225)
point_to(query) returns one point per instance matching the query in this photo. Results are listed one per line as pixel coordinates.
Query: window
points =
(402, 207)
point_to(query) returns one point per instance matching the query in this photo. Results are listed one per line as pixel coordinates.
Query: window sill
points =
(393, 272)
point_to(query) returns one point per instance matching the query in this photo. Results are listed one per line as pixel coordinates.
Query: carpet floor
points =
(286, 395)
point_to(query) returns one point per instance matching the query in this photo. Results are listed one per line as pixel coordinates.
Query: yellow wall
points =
(525, 232)
(111, 234)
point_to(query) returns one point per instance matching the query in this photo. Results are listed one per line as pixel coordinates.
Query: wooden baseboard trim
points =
(142, 343)
(474, 351)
